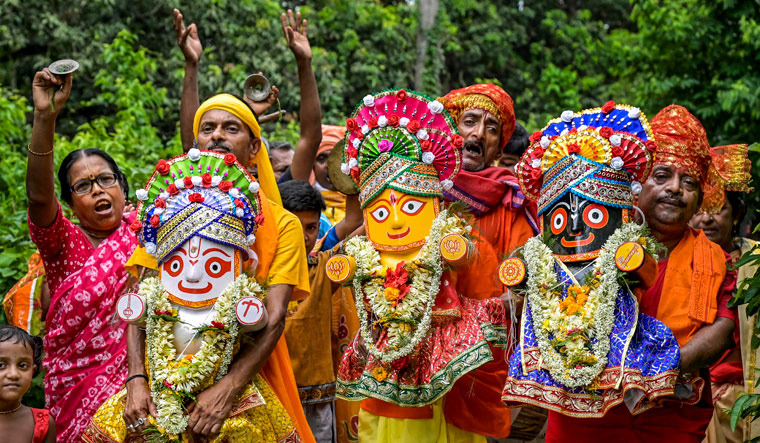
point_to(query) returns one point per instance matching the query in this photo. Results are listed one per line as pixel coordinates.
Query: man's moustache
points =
(671, 200)
(219, 144)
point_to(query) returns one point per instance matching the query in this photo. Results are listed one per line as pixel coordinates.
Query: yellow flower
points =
(379, 373)
(404, 327)
(391, 294)
(643, 241)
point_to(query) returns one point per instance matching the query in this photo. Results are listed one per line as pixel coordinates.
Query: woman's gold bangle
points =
(40, 154)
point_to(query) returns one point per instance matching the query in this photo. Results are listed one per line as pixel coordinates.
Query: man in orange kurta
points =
(504, 220)
(689, 294)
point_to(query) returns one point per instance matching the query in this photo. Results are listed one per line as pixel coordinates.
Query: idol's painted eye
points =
(596, 216)
(216, 267)
(380, 214)
(559, 221)
(174, 266)
(411, 206)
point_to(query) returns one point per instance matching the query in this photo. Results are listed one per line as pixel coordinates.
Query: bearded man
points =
(690, 293)
(503, 221)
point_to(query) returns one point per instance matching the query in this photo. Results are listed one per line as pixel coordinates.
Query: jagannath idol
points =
(584, 346)
(401, 149)
(198, 215)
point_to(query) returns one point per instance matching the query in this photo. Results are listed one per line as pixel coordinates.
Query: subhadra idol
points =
(198, 215)
(402, 149)
(584, 347)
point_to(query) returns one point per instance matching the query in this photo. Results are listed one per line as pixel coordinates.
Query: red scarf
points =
(485, 190)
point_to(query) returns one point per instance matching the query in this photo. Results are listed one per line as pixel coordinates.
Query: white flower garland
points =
(417, 307)
(596, 319)
(170, 386)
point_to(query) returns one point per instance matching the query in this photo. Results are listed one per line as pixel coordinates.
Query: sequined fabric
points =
(729, 171)
(258, 417)
(681, 141)
(488, 97)
(454, 346)
(651, 366)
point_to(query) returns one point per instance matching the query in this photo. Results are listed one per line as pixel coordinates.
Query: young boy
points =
(308, 325)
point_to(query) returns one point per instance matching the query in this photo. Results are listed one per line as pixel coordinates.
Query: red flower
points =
(535, 173)
(355, 173)
(393, 119)
(457, 140)
(259, 219)
(217, 325)
(608, 107)
(401, 95)
(352, 152)
(358, 135)
(206, 180)
(536, 136)
(651, 145)
(159, 203)
(372, 122)
(617, 151)
(135, 226)
(229, 159)
(398, 277)
(573, 148)
(572, 130)
(158, 312)
(225, 185)
(400, 363)
(155, 220)
(537, 152)
(163, 167)
(413, 126)
(426, 145)
(605, 132)
(196, 198)
(351, 125)
(172, 189)
(166, 383)
(239, 203)
(188, 181)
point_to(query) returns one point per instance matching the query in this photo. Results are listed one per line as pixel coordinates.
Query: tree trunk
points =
(428, 11)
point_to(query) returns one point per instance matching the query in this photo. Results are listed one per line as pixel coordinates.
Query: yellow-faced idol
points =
(402, 150)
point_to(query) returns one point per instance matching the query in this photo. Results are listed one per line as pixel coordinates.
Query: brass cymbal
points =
(342, 182)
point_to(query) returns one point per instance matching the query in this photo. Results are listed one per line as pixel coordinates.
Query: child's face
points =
(310, 224)
(16, 370)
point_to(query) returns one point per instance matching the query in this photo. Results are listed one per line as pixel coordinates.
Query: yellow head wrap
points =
(238, 108)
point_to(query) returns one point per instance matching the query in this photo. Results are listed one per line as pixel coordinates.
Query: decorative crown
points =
(200, 193)
(401, 140)
(602, 154)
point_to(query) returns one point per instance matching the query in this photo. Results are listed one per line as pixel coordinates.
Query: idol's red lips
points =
(399, 235)
(194, 290)
(577, 243)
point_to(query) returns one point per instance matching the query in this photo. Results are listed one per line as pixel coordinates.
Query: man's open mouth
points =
(473, 148)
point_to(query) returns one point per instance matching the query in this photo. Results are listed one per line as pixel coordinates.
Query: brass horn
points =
(257, 87)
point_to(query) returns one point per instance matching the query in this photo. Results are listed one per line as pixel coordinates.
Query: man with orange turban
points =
(690, 293)
(504, 220)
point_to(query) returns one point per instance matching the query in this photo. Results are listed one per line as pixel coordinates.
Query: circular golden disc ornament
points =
(343, 183)
(455, 249)
(629, 256)
(512, 271)
(340, 268)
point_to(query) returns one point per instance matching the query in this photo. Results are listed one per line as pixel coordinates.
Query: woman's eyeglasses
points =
(104, 180)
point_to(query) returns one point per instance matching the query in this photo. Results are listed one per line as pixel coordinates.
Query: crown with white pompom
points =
(401, 140)
(201, 193)
(601, 154)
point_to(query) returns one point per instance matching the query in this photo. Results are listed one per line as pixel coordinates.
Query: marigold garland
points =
(573, 334)
(403, 309)
(175, 381)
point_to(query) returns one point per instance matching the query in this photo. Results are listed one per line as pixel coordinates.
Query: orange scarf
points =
(696, 269)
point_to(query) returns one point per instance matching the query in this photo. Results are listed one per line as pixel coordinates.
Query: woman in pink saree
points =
(85, 347)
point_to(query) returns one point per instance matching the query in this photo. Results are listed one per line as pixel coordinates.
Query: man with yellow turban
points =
(504, 220)
(227, 125)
